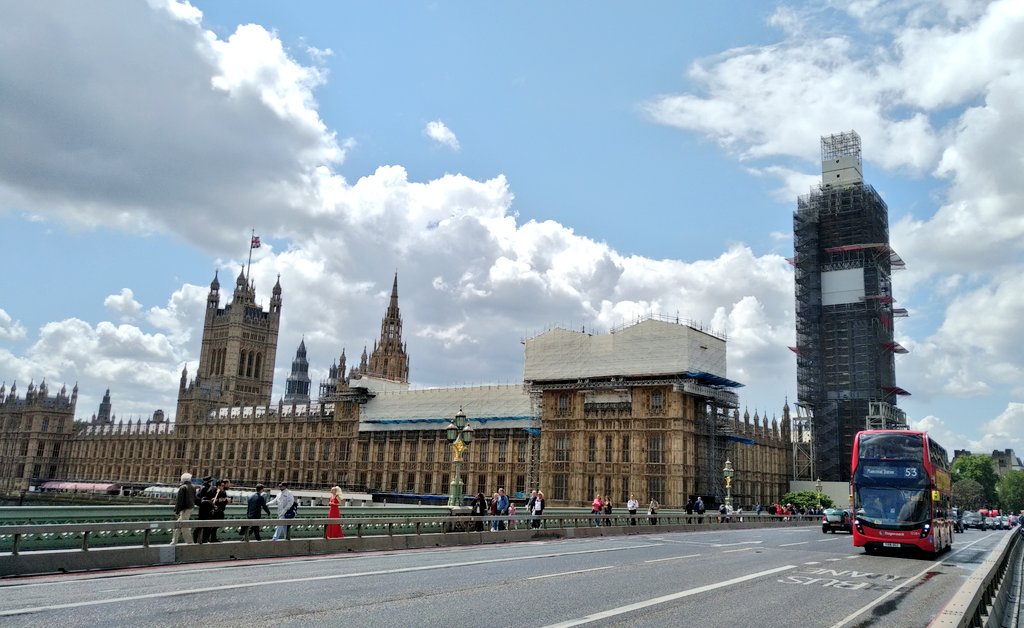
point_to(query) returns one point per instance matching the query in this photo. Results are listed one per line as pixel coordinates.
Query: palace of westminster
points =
(645, 409)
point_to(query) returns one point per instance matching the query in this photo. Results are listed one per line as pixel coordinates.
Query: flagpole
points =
(249, 263)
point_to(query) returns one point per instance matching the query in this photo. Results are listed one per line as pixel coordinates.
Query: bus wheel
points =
(870, 549)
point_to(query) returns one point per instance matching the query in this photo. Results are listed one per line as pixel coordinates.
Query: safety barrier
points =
(982, 600)
(87, 546)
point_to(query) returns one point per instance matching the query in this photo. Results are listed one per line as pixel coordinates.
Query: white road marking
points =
(832, 560)
(667, 598)
(248, 585)
(659, 560)
(800, 543)
(567, 573)
(813, 562)
(742, 549)
(738, 543)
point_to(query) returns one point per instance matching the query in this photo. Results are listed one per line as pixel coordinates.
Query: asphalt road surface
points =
(792, 576)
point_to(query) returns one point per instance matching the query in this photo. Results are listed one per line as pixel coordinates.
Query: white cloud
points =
(10, 329)
(437, 131)
(123, 304)
(209, 128)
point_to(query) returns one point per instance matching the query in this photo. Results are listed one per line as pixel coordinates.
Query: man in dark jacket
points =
(220, 504)
(204, 499)
(255, 508)
(183, 505)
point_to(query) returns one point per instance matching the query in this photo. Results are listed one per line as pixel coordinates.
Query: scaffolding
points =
(803, 446)
(844, 307)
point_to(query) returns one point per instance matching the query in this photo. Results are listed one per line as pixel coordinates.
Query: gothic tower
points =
(239, 348)
(296, 389)
(389, 359)
(845, 349)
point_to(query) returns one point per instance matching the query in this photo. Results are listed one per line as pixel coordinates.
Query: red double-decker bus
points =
(901, 491)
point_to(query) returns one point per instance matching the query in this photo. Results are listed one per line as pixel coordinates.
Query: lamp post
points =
(727, 473)
(817, 487)
(459, 434)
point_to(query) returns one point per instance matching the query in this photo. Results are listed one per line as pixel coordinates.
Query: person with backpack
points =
(183, 504)
(698, 506)
(287, 508)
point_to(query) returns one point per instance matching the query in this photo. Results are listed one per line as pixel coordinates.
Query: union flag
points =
(255, 242)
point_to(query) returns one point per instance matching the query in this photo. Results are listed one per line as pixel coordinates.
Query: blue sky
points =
(520, 166)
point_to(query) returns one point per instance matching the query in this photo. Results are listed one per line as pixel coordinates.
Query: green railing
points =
(70, 528)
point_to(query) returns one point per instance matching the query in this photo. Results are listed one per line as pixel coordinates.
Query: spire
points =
(215, 284)
(389, 359)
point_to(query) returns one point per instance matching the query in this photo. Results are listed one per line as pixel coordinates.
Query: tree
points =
(968, 494)
(980, 469)
(1011, 491)
(807, 499)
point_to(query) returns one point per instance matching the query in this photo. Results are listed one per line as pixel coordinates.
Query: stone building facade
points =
(572, 433)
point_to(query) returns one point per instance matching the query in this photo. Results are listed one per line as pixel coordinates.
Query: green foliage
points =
(1011, 491)
(807, 499)
(980, 469)
(968, 494)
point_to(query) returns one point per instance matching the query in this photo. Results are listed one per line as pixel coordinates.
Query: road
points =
(715, 578)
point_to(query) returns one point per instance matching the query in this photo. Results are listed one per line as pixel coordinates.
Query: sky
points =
(521, 166)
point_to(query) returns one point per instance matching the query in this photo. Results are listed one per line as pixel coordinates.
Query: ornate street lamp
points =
(459, 434)
(817, 487)
(727, 473)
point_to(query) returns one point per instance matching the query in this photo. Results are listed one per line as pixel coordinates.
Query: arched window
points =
(259, 366)
(241, 363)
(248, 365)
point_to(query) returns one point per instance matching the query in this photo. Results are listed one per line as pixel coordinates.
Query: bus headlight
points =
(925, 530)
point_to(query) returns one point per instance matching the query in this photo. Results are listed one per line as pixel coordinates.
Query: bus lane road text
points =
(844, 579)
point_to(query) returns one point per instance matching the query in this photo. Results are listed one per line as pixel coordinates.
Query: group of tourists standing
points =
(601, 508)
(211, 500)
(502, 511)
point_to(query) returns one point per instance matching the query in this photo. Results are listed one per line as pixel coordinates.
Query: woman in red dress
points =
(334, 530)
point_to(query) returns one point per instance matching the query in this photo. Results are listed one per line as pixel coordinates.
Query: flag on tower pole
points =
(254, 243)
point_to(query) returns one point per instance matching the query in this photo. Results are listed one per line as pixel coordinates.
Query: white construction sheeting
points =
(842, 286)
(496, 406)
(648, 348)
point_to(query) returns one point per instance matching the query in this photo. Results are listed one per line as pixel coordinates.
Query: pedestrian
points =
(689, 510)
(698, 507)
(204, 499)
(478, 508)
(529, 505)
(757, 509)
(286, 509)
(255, 507)
(334, 512)
(538, 509)
(492, 509)
(722, 512)
(183, 505)
(652, 511)
(607, 508)
(631, 506)
(221, 499)
(596, 507)
(512, 524)
(503, 503)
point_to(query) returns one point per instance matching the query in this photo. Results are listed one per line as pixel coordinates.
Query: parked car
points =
(1004, 522)
(972, 519)
(993, 523)
(836, 519)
